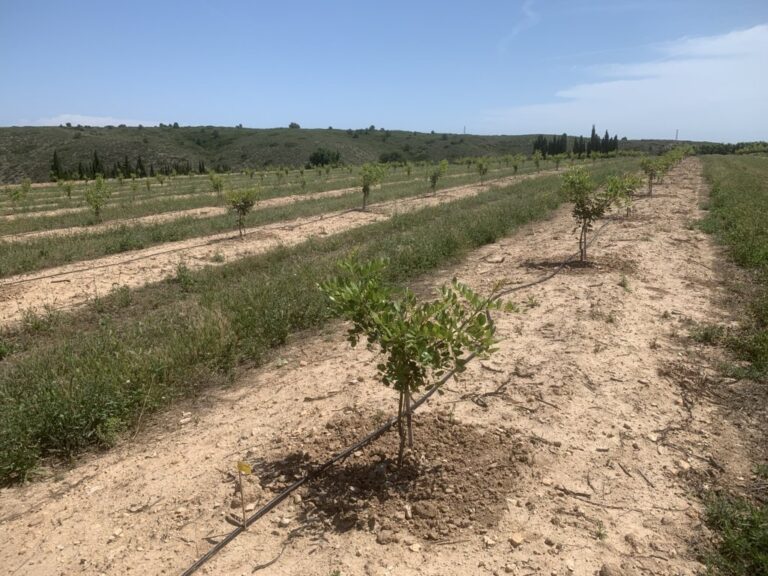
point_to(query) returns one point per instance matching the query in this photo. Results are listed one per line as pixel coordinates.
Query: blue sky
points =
(640, 68)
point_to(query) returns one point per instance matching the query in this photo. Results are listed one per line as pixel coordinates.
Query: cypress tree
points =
(605, 144)
(594, 142)
(56, 171)
(140, 170)
(96, 167)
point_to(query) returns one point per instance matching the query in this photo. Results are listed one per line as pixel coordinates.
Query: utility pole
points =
(677, 131)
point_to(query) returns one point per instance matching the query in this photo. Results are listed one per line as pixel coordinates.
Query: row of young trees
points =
(422, 341)
(581, 146)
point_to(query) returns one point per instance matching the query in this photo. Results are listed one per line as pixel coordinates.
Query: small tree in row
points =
(241, 202)
(370, 176)
(537, 157)
(18, 193)
(516, 160)
(436, 173)
(589, 204)
(96, 195)
(650, 167)
(621, 190)
(420, 341)
(65, 186)
(217, 183)
(482, 168)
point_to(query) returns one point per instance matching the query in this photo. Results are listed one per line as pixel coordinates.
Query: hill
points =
(27, 152)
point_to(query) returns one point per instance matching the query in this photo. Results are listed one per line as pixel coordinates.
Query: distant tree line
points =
(125, 169)
(558, 145)
(581, 146)
(739, 148)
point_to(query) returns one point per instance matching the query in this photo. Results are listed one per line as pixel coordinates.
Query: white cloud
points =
(84, 120)
(711, 88)
(528, 20)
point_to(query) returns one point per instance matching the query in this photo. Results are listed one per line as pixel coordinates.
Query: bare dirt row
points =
(578, 448)
(206, 212)
(74, 284)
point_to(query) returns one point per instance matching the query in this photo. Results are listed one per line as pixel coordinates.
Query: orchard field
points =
(175, 353)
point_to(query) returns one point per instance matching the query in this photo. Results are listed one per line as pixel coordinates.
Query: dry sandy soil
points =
(579, 447)
(74, 284)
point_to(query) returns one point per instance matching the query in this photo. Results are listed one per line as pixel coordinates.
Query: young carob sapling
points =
(621, 190)
(420, 341)
(240, 202)
(436, 173)
(589, 203)
(96, 195)
(482, 168)
(650, 167)
(370, 175)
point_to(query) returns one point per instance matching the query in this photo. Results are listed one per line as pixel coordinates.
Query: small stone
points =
(683, 465)
(424, 510)
(570, 566)
(549, 542)
(250, 507)
(386, 537)
(186, 420)
(495, 259)
(508, 568)
(303, 363)
(610, 570)
(284, 522)
(415, 547)
(297, 498)
(408, 512)
(517, 539)
(488, 541)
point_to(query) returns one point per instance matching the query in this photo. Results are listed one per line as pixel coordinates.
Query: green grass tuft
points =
(742, 545)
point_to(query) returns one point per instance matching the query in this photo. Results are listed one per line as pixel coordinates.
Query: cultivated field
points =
(148, 349)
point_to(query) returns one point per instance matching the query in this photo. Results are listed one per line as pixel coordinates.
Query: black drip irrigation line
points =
(269, 506)
(375, 435)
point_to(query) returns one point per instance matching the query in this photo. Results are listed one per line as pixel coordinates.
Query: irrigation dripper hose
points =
(269, 506)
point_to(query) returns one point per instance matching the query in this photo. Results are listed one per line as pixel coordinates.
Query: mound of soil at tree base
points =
(454, 480)
(605, 263)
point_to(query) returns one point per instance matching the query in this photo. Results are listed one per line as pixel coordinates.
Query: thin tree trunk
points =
(400, 430)
(408, 418)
